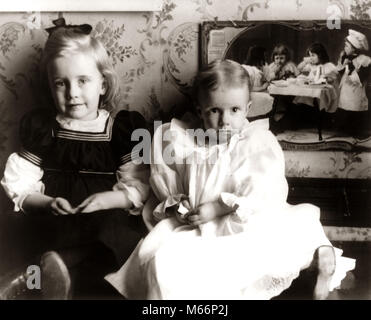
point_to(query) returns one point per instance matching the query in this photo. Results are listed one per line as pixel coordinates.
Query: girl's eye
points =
(83, 81)
(214, 110)
(59, 84)
(235, 109)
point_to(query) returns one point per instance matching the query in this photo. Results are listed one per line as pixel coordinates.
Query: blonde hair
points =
(63, 42)
(220, 73)
(281, 49)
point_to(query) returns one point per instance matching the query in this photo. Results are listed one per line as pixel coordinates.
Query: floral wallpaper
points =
(360, 9)
(156, 55)
(328, 164)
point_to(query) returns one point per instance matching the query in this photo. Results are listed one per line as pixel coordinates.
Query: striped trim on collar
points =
(129, 157)
(106, 135)
(30, 157)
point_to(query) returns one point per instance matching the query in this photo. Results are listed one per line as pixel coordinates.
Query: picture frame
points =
(223, 39)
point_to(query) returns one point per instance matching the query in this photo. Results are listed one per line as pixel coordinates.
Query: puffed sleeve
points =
(260, 184)
(132, 157)
(362, 64)
(166, 177)
(23, 171)
(330, 72)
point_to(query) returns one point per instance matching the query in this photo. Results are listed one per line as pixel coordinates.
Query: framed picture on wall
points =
(232, 39)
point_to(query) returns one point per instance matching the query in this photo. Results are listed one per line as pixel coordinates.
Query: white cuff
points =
(21, 178)
(136, 192)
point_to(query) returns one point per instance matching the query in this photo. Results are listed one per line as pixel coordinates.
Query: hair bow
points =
(61, 23)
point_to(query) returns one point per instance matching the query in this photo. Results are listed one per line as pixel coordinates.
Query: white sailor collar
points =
(96, 125)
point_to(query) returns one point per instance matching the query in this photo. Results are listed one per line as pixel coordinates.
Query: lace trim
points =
(97, 125)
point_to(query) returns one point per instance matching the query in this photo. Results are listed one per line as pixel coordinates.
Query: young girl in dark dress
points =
(76, 173)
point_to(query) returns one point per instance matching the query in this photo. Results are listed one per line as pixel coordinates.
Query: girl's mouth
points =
(75, 106)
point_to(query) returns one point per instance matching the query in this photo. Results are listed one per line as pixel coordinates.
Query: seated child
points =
(354, 66)
(318, 69)
(256, 66)
(225, 230)
(281, 67)
(75, 177)
(317, 66)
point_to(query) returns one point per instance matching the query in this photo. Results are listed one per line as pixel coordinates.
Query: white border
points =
(79, 5)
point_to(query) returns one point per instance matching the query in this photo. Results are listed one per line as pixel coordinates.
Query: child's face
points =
(76, 85)
(225, 109)
(348, 48)
(280, 59)
(313, 58)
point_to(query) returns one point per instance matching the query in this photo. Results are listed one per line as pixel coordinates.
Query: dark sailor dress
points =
(77, 164)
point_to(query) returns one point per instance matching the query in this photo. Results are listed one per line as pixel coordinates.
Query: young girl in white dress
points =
(354, 66)
(223, 228)
(74, 179)
(318, 69)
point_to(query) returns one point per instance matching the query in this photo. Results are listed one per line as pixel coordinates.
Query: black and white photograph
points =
(185, 151)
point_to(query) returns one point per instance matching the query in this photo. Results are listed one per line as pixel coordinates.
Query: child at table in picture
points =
(281, 67)
(224, 229)
(317, 66)
(257, 68)
(75, 178)
(317, 69)
(354, 66)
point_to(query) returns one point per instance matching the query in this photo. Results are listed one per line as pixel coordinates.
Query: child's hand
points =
(307, 60)
(103, 201)
(276, 67)
(61, 206)
(95, 202)
(204, 213)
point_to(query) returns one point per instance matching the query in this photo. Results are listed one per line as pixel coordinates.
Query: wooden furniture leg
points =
(316, 105)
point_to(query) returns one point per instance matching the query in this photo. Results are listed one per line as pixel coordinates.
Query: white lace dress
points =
(254, 253)
(261, 102)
